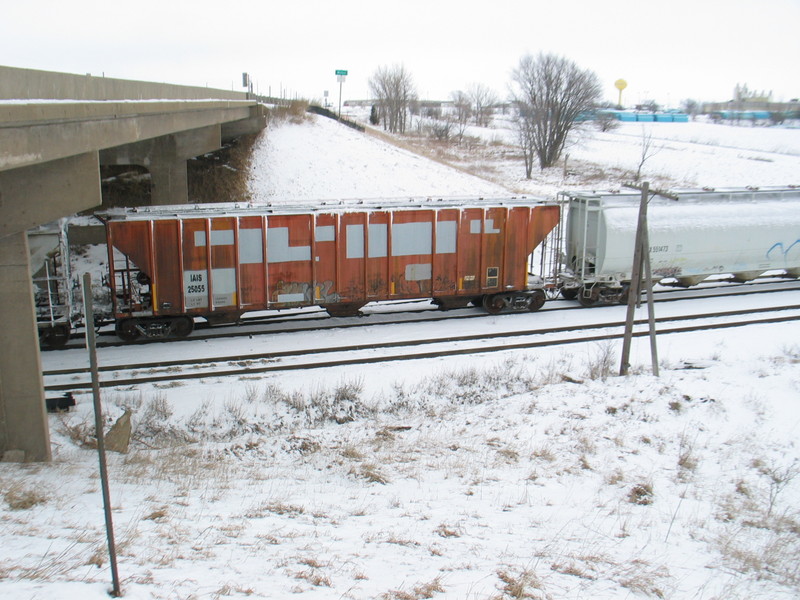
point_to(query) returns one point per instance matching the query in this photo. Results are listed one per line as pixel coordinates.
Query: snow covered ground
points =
(321, 160)
(480, 477)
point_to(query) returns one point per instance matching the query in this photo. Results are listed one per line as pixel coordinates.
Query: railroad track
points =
(408, 312)
(254, 364)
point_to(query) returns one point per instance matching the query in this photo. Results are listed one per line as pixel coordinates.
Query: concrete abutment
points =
(51, 148)
(24, 433)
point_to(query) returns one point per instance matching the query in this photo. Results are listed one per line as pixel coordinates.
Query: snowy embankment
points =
(322, 160)
(479, 477)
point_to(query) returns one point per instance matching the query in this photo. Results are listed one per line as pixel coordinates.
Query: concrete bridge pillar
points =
(165, 157)
(29, 196)
(24, 433)
(169, 180)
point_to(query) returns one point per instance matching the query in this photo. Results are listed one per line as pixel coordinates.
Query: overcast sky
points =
(667, 50)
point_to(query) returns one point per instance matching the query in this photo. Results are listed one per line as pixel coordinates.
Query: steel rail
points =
(249, 370)
(325, 320)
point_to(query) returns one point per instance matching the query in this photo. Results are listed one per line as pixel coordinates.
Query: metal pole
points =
(651, 311)
(88, 311)
(341, 80)
(636, 279)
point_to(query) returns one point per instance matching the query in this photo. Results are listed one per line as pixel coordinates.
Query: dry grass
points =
(448, 531)
(221, 176)
(544, 453)
(276, 508)
(418, 592)
(21, 497)
(352, 453)
(296, 111)
(81, 433)
(157, 515)
(601, 363)
(525, 584)
(230, 589)
(371, 472)
(641, 493)
(314, 577)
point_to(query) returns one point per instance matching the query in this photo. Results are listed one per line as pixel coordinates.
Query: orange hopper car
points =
(169, 265)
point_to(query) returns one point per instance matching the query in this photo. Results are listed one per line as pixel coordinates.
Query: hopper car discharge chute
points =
(169, 265)
(739, 233)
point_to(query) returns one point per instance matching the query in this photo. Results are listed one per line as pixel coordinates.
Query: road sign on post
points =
(340, 76)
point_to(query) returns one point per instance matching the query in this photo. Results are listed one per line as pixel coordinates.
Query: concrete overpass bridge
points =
(56, 130)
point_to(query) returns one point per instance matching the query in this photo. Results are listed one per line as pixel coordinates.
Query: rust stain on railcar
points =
(228, 264)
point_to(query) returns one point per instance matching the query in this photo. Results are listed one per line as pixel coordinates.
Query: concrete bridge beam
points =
(254, 124)
(44, 192)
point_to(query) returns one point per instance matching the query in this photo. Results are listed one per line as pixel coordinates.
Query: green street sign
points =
(341, 72)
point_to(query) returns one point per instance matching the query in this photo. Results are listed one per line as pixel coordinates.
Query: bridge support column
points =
(29, 196)
(24, 433)
(169, 179)
(165, 157)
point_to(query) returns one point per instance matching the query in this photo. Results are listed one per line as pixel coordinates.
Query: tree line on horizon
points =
(548, 94)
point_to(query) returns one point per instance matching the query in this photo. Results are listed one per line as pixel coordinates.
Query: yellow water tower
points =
(620, 84)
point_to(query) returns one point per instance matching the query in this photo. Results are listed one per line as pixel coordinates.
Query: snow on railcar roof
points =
(690, 195)
(327, 206)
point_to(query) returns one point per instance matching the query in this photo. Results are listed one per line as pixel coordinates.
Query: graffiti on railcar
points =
(783, 251)
(303, 292)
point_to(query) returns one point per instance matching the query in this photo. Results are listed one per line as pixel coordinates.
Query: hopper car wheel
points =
(569, 293)
(494, 304)
(127, 330)
(55, 337)
(537, 300)
(589, 296)
(183, 326)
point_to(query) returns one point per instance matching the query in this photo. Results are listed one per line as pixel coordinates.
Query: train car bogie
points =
(514, 301)
(131, 329)
(54, 336)
(598, 295)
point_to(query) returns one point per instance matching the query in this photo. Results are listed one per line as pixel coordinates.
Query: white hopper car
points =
(744, 233)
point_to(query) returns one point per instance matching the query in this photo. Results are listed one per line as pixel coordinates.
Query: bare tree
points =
(691, 107)
(483, 100)
(526, 137)
(606, 121)
(550, 92)
(462, 113)
(648, 150)
(393, 89)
